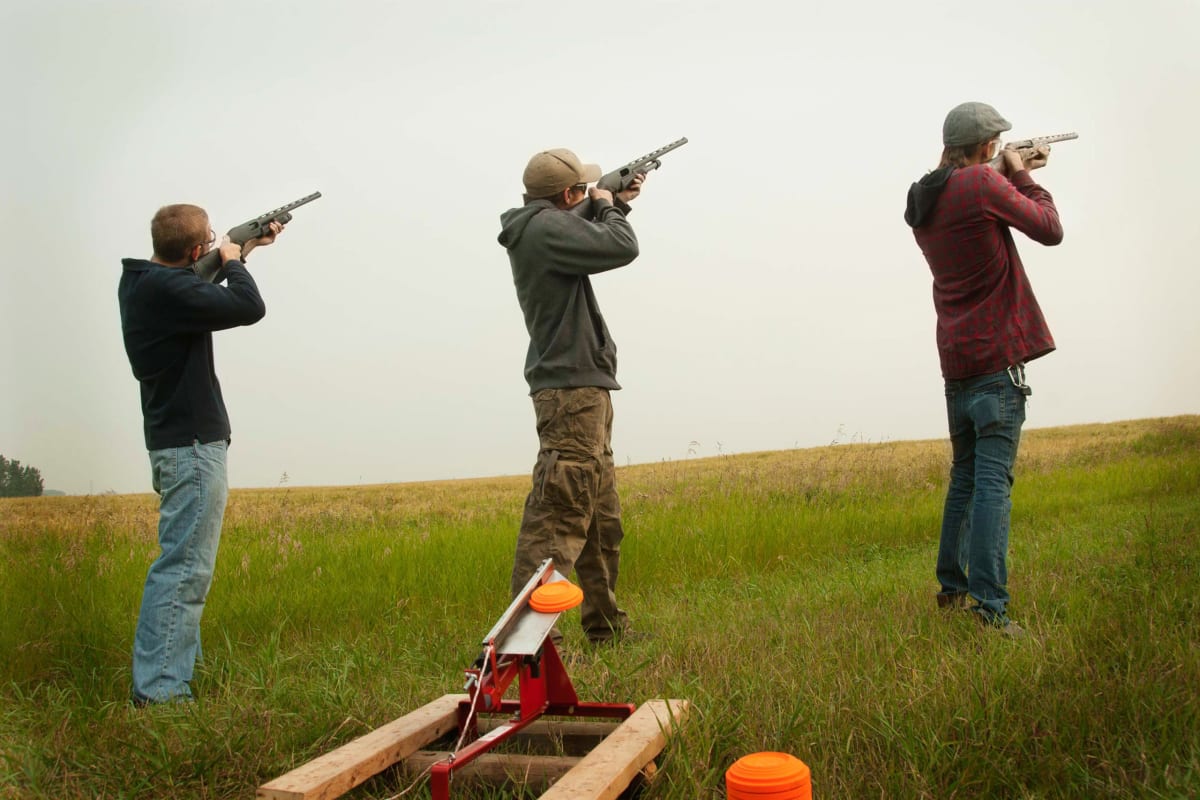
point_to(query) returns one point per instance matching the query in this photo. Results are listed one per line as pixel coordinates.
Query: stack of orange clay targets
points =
(768, 776)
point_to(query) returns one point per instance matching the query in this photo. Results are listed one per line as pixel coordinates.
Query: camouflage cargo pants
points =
(573, 514)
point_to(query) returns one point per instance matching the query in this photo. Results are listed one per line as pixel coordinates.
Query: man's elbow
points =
(1047, 230)
(256, 311)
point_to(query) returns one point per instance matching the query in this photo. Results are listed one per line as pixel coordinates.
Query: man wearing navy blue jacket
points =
(168, 314)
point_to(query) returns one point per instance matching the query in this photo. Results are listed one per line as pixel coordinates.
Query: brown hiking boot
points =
(626, 636)
(953, 601)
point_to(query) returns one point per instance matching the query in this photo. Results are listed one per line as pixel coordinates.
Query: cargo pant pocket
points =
(567, 484)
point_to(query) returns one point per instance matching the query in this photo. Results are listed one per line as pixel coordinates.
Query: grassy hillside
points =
(790, 596)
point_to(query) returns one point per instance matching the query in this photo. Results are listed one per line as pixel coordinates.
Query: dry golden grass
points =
(838, 468)
(789, 594)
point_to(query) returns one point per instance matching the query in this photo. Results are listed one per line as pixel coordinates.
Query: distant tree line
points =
(18, 481)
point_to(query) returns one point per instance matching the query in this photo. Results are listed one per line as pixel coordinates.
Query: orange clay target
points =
(550, 598)
(768, 776)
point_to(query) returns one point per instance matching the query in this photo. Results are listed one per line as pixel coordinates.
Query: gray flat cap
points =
(972, 123)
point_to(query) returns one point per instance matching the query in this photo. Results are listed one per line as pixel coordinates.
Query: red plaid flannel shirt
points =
(987, 316)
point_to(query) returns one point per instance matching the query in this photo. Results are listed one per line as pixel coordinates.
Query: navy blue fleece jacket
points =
(168, 315)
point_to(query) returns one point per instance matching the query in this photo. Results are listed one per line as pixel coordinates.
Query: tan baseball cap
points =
(551, 171)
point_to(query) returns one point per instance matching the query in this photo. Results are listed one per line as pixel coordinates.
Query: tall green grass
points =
(789, 594)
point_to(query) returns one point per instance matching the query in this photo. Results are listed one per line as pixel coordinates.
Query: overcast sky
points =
(779, 300)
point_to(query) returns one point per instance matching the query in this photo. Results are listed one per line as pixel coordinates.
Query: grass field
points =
(790, 596)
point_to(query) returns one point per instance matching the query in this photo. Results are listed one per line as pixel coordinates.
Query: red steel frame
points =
(544, 688)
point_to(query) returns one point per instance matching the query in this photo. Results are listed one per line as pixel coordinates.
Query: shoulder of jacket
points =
(558, 219)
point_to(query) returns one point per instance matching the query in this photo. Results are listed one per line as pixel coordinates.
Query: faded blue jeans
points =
(192, 486)
(985, 415)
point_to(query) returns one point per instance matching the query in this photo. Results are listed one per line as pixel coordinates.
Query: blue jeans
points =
(192, 487)
(985, 415)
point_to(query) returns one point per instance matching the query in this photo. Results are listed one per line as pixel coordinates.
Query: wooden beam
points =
(554, 737)
(606, 771)
(602, 774)
(340, 770)
(497, 768)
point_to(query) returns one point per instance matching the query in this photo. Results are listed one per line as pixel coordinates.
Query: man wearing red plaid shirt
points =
(989, 325)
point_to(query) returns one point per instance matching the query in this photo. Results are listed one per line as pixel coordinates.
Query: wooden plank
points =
(553, 737)
(554, 727)
(606, 771)
(497, 768)
(340, 770)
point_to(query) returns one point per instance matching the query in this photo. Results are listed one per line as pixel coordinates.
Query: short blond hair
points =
(176, 229)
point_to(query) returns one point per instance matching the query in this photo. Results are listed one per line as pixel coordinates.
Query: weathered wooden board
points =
(623, 751)
(606, 771)
(340, 770)
(574, 737)
(496, 769)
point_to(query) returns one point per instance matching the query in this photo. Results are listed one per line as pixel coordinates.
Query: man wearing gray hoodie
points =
(572, 513)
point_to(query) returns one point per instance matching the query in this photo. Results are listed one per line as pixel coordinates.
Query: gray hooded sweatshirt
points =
(552, 253)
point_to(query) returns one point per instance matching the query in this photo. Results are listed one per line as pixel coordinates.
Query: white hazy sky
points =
(779, 300)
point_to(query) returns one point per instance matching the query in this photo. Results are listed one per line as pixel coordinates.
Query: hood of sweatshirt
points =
(514, 221)
(923, 196)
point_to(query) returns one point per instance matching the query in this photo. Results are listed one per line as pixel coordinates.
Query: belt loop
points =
(1016, 374)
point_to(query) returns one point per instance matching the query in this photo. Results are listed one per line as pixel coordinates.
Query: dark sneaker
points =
(1012, 630)
(177, 702)
(953, 601)
(1005, 627)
